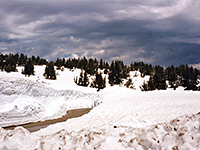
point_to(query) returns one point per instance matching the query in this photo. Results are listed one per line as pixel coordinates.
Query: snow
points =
(136, 78)
(121, 118)
(27, 99)
(180, 133)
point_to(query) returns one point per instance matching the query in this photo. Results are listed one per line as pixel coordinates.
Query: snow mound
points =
(181, 133)
(23, 100)
(18, 86)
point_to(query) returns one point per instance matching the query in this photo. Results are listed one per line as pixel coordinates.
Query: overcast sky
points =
(154, 31)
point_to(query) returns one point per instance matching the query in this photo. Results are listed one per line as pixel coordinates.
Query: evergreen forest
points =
(160, 78)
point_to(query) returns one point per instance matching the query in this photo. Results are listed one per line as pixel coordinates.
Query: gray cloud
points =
(151, 31)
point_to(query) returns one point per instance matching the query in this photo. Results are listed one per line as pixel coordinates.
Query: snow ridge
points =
(180, 133)
(23, 99)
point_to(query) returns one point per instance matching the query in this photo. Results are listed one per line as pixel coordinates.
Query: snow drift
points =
(180, 133)
(24, 100)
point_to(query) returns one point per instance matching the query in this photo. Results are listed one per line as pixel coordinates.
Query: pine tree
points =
(156, 81)
(172, 77)
(22, 59)
(81, 80)
(99, 81)
(68, 64)
(33, 60)
(192, 80)
(37, 61)
(50, 72)
(125, 72)
(16, 58)
(159, 78)
(1, 62)
(144, 86)
(59, 64)
(132, 67)
(102, 64)
(151, 84)
(43, 62)
(188, 77)
(129, 83)
(111, 76)
(92, 66)
(116, 72)
(28, 68)
(85, 79)
(10, 63)
(106, 68)
(83, 63)
(8, 68)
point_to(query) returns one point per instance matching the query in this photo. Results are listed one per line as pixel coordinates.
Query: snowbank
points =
(27, 99)
(181, 133)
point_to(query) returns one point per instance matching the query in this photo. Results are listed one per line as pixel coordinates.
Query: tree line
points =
(117, 71)
(9, 62)
(182, 75)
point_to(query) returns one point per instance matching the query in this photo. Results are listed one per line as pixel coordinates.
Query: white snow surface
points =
(121, 118)
(27, 99)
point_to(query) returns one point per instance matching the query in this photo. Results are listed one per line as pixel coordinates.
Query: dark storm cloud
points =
(151, 31)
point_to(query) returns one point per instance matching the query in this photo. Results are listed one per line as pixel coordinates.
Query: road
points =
(35, 126)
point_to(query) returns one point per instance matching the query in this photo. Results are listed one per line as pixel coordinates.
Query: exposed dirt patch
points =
(35, 126)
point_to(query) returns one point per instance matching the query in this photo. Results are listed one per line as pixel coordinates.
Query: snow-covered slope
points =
(26, 99)
(122, 119)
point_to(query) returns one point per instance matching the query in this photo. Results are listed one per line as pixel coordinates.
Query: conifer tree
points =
(12, 63)
(102, 64)
(144, 86)
(22, 59)
(28, 68)
(125, 72)
(172, 77)
(159, 78)
(59, 64)
(112, 74)
(50, 72)
(106, 68)
(156, 81)
(16, 58)
(192, 80)
(188, 77)
(83, 63)
(1, 62)
(43, 62)
(83, 79)
(33, 60)
(8, 68)
(116, 72)
(37, 61)
(99, 81)
(129, 83)
(92, 66)
(151, 84)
